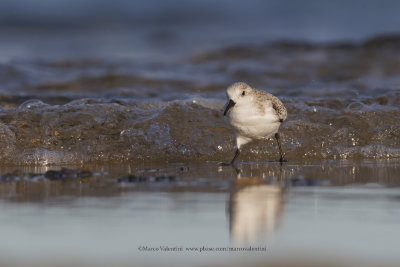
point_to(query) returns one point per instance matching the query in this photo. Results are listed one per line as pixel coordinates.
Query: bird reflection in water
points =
(256, 203)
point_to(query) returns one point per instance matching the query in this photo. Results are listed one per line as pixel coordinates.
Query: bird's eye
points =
(243, 93)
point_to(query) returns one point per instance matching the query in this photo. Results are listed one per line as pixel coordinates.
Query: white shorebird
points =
(254, 114)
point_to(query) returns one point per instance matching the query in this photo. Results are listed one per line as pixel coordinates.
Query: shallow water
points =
(337, 212)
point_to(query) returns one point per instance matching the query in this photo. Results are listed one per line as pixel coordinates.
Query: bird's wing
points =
(277, 105)
(279, 108)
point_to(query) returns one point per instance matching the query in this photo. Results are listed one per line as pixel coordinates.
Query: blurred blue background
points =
(102, 28)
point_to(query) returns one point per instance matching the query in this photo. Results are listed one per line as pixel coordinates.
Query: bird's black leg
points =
(282, 158)
(233, 160)
(236, 155)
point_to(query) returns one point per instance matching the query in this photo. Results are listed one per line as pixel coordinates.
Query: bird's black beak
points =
(229, 106)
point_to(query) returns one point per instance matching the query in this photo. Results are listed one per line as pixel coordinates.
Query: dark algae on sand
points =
(63, 174)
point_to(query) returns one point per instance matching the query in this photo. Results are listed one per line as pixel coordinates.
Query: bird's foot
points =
(282, 159)
(231, 164)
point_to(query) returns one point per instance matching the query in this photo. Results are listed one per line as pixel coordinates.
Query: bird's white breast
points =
(250, 121)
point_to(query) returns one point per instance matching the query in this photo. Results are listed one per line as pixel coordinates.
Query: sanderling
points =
(254, 114)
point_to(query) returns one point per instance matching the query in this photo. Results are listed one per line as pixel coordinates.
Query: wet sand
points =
(337, 212)
(342, 99)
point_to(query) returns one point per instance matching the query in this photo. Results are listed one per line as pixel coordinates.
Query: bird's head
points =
(237, 93)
